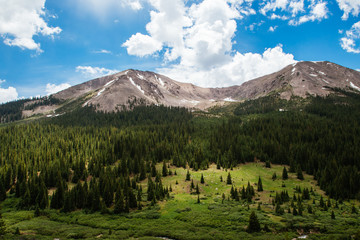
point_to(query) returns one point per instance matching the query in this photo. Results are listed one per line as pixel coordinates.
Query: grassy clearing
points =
(181, 217)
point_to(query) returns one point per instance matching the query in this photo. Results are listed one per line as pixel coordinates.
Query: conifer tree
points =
(119, 205)
(260, 187)
(332, 215)
(284, 174)
(202, 180)
(254, 225)
(228, 180)
(197, 189)
(274, 176)
(192, 186)
(188, 176)
(2, 190)
(164, 169)
(299, 173)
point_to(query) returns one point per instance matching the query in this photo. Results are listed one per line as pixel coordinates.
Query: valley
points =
(85, 171)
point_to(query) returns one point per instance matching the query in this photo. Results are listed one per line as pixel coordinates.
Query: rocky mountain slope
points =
(118, 91)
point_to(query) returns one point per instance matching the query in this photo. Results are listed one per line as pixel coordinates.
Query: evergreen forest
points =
(279, 169)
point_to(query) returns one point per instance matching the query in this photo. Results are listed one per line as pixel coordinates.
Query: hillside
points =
(124, 90)
(122, 175)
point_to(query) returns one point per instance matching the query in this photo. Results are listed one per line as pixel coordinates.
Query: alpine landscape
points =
(204, 142)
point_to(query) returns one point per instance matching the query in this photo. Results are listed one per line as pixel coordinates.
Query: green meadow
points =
(180, 216)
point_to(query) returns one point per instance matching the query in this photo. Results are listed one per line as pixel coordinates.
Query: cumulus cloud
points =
(94, 72)
(53, 88)
(141, 45)
(197, 42)
(295, 11)
(7, 94)
(20, 20)
(350, 42)
(349, 7)
(241, 68)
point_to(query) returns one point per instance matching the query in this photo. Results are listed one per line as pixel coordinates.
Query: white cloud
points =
(94, 72)
(103, 51)
(272, 29)
(198, 43)
(20, 20)
(352, 36)
(318, 12)
(141, 45)
(295, 11)
(52, 88)
(349, 7)
(7, 94)
(241, 68)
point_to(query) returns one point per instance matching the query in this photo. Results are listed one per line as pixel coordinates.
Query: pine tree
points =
(192, 186)
(228, 180)
(202, 180)
(2, 190)
(322, 204)
(197, 189)
(284, 174)
(299, 173)
(260, 187)
(332, 215)
(188, 176)
(274, 176)
(254, 225)
(198, 199)
(164, 169)
(119, 205)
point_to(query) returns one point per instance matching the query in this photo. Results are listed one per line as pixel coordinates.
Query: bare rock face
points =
(115, 92)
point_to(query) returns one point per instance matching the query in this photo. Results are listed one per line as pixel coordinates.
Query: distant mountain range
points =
(120, 90)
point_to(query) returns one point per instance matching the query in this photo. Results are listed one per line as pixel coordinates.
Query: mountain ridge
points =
(118, 91)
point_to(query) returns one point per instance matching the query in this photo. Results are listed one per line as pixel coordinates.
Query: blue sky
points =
(48, 45)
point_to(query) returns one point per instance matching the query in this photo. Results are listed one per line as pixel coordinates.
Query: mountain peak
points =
(124, 89)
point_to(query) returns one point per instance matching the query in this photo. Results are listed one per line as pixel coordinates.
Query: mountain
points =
(124, 89)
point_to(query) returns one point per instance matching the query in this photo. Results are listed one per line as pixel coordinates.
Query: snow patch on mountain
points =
(137, 86)
(354, 86)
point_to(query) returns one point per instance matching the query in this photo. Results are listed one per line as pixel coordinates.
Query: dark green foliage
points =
(202, 180)
(274, 176)
(164, 170)
(254, 224)
(197, 189)
(332, 215)
(299, 173)
(260, 186)
(228, 180)
(285, 174)
(12, 111)
(2, 190)
(267, 164)
(354, 210)
(2, 225)
(279, 210)
(282, 197)
(187, 176)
